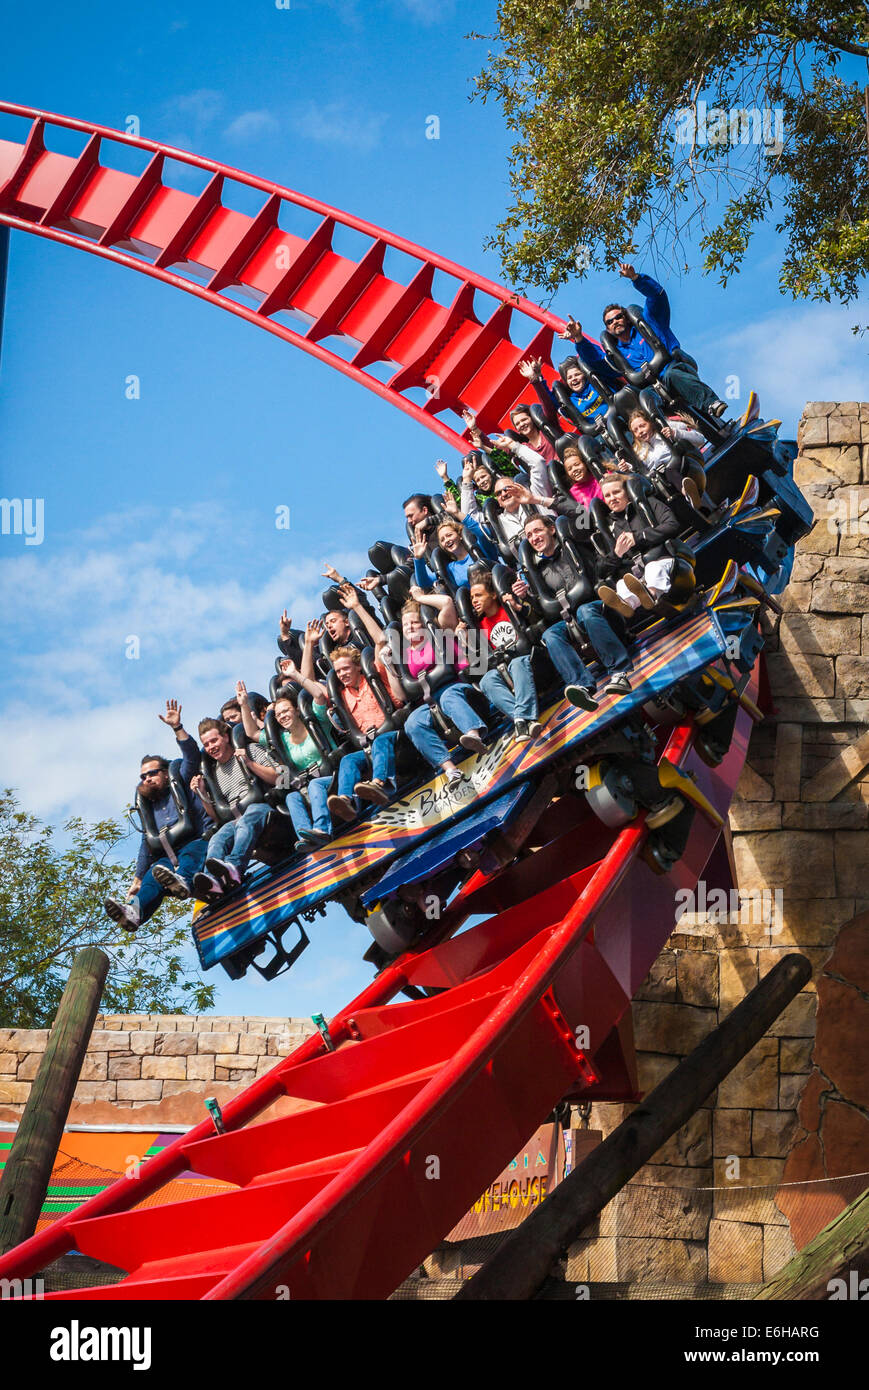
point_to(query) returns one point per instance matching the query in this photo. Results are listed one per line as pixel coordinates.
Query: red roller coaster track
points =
(339, 1199)
(445, 351)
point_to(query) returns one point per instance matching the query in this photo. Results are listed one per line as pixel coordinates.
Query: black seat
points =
(650, 372)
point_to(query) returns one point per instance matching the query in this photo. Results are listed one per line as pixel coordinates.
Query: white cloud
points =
(250, 124)
(338, 123)
(200, 107)
(806, 353)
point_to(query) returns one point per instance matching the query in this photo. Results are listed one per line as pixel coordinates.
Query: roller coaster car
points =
(650, 372)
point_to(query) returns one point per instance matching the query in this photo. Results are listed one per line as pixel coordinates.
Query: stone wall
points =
(141, 1068)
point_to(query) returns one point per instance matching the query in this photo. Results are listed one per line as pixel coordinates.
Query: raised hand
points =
(330, 572)
(626, 269)
(451, 505)
(519, 588)
(504, 442)
(349, 596)
(420, 544)
(285, 625)
(313, 631)
(572, 329)
(532, 368)
(442, 469)
(525, 494)
(370, 582)
(291, 670)
(172, 717)
(416, 593)
(241, 691)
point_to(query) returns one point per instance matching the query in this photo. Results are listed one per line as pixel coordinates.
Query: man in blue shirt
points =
(172, 872)
(681, 374)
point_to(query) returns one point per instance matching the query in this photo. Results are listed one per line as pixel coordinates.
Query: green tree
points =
(51, 904)
(640, 124)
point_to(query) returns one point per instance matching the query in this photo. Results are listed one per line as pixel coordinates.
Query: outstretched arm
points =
(350, 600)
(306, 676)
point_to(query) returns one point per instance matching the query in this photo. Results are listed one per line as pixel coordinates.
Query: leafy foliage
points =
(51, 904)
(637, 124)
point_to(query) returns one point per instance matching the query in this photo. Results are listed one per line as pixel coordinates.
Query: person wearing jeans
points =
(559, 574)
(681, 374)
(451, 697)
(496, 625)
(353, 770)
(420, 729)
(231, 847)
(155, 877)
(235, 842)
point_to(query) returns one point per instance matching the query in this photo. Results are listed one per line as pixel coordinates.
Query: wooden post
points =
(25, 1178)
(840, 1252)
(519, 1268)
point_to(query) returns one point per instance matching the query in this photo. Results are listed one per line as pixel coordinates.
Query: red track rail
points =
(339, 1200)
(143, 223)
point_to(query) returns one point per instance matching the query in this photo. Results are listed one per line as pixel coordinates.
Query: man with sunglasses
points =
(157, 876)
(680, 374)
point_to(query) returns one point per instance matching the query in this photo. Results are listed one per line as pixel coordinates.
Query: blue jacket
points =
(587, 402)
(636, 350)
(165, 810)
(458, 569)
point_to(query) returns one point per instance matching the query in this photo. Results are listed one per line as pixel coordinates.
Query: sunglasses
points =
(155, 772)
(614, 318)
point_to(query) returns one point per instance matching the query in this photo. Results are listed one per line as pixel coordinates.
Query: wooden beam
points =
(519, 1268)
(25, 1178)
(839, 1252)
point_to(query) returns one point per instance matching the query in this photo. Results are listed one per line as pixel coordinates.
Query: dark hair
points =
(219, 724)
(478, 574)
(419, 498)
(539, 516)
(258, 703)
(155, 758)
(621, 307)
(230, 704)
(287, 692)
(523, 408)
(570, 362)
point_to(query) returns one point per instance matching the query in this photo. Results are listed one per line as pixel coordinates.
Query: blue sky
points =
(159, 512)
